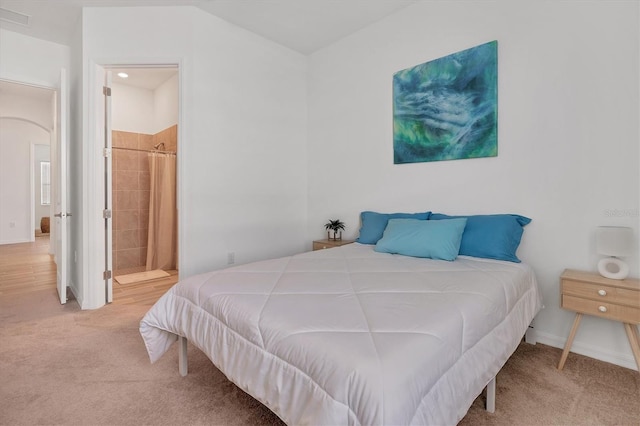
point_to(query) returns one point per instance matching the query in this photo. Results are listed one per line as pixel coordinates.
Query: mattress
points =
(351, 336)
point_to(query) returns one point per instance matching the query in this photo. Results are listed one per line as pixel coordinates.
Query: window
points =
(45, 183)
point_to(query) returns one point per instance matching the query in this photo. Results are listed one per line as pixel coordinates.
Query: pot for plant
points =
(336, 236)
(336, 226)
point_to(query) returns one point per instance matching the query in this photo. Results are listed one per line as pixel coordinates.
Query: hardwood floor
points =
(28, 267)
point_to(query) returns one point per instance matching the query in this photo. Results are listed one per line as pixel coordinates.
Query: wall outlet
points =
(231, 258)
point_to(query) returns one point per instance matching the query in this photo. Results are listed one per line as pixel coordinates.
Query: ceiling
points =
(149, 78)
(302, 25)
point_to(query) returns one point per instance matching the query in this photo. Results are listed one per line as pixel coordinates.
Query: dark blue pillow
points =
(373, 224)
(494, 236)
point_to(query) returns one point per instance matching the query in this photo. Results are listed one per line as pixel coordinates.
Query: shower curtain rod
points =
(144, 150)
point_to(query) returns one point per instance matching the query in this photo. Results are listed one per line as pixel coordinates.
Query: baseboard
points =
(75, 293)
(531, 335)
(15, 241)
(622, 360)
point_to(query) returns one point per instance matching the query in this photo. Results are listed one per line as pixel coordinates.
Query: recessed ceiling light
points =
(123, 75)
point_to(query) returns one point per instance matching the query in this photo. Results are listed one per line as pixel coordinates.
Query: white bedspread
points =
(351, 336)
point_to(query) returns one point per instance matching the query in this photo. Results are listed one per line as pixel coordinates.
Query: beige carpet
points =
(63, 366)
(141, 276)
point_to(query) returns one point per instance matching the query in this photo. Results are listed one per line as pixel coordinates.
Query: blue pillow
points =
(373, 224)
(438, 239)
(495, 236)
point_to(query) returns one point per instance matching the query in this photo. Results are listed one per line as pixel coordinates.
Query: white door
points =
(61, 209)
(108, 231)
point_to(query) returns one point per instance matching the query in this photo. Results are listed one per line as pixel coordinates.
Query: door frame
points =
(54, 144)
(94, 169)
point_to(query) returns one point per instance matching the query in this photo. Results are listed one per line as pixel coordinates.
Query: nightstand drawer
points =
(321, 246)
(602, 309)
(602, 293)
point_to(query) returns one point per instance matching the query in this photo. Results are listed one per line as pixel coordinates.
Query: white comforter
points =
(351, 336)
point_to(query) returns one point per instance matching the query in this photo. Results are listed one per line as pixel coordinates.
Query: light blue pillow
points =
(373, 224)
(495, 236)
(437, 239)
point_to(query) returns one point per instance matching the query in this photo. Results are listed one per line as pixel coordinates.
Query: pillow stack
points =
(374, 224)
(443, 237)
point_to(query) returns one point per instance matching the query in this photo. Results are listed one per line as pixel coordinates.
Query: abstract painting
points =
(447, 109)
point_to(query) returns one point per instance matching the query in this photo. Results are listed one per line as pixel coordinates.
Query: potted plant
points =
(335, 226)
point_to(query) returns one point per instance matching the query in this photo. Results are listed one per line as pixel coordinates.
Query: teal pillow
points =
(495, 236)
(373, 224)
(437, 239)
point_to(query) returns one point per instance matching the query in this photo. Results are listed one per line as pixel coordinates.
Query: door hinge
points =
(106, 214)
(106, 275)
(106, 91)
(106, 152)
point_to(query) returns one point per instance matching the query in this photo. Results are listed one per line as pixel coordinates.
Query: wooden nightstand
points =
(325, 244)
(592, 294)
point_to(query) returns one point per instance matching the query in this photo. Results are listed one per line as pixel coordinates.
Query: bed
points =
(350, 335)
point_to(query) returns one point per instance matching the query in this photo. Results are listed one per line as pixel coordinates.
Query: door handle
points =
(61, 215)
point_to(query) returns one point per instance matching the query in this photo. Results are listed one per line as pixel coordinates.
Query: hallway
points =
(28, 267)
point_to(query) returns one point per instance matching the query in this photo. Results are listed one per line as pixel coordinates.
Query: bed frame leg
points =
(491, 395)
(182, 356)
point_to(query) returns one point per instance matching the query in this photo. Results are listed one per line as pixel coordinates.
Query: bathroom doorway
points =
(144, 140)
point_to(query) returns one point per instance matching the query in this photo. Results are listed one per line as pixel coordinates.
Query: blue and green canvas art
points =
(447, 109)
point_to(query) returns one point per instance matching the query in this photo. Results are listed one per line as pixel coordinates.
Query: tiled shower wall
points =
(130, 184)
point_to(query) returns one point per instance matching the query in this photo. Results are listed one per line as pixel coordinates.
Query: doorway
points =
(144, 140)
(26, 119)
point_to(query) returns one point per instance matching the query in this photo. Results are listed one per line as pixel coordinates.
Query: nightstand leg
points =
(567, 346)
(634, 341)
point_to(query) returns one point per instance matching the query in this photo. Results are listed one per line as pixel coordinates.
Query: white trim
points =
(93, 170)
(598, 353)
(26, 120)
(40, 84)
(32, 191)
(180, 165)
(14, 241)
(92, 282)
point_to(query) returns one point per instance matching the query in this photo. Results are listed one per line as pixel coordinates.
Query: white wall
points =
(76, 167)
(242, 133)
(568, 123)
(16, 139)
(35, 109)
(32, 60)
(165, 103)
(139, 110)
(132, 109)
